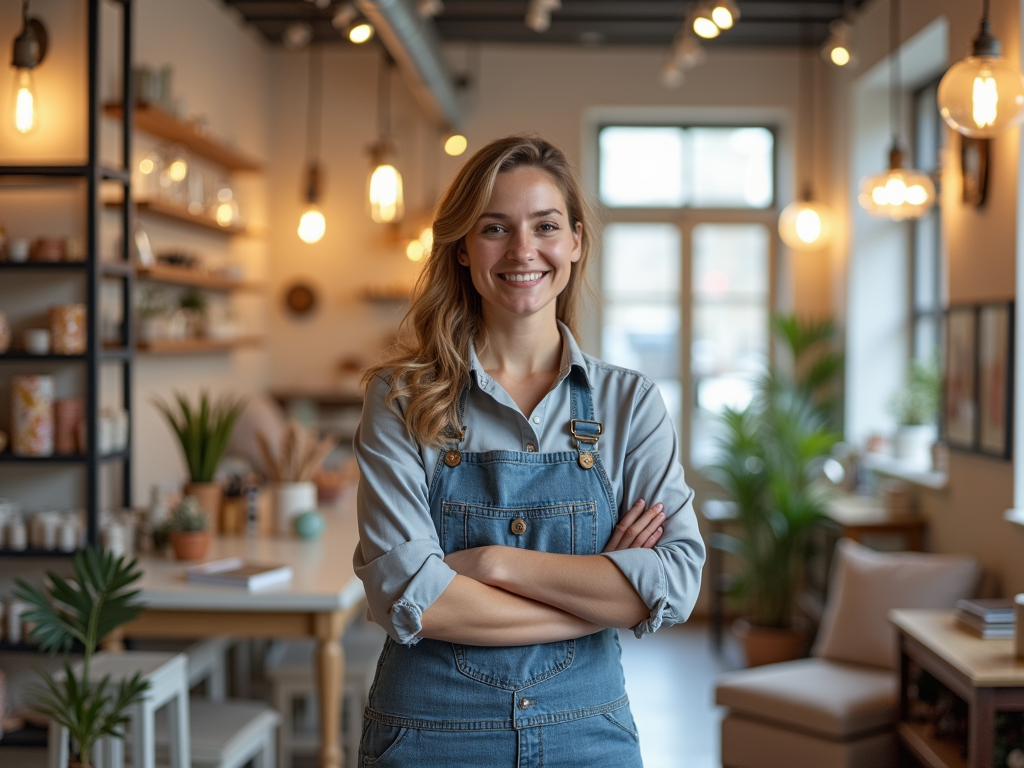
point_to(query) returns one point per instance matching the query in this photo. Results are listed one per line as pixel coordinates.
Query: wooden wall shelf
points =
(156, 122)
(196, 346)
(180, 214)
(195, 278)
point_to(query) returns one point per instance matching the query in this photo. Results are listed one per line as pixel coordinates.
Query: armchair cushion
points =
(826, 698)
(867, 584)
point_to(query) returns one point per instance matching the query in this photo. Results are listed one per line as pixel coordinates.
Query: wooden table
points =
(318, 602)
(984, 673)
(858, 517)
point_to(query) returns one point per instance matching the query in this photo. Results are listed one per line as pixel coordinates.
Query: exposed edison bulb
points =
(899, 193)
(178, 169)
(414, 250)
(386, 202)
(360, 33)
(146, 165)
(985, 101)
(312, 225)
(456, 144)
(839, 56)
(25, 108)
(805, 225)
(705, 27)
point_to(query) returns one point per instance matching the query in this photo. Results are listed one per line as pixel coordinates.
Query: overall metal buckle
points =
(586, 457)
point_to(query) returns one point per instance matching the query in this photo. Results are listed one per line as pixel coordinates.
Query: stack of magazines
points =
(989, 619)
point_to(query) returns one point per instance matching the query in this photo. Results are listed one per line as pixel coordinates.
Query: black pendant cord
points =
(895, 100)
(384, 100)
(806, 108)
(313, 102)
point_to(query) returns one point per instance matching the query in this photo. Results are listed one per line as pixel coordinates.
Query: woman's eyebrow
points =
(534, 215)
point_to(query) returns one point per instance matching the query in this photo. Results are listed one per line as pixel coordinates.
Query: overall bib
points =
(552, 704)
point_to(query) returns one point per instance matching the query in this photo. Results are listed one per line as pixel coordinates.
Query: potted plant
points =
(291, 470)
(188, 527)
(915, 408)
(770, 460)
(80, 613)
(203, 431)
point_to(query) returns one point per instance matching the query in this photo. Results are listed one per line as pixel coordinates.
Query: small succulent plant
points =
(188, 516)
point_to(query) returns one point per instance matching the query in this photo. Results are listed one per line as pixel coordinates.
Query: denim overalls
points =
(552, 704)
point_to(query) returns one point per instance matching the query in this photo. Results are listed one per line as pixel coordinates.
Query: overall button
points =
(586, 460)
(518, 526)
(453, 458)
(525, 703)
(531, 448)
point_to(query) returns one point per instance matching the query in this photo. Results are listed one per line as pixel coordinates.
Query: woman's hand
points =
(638, 528)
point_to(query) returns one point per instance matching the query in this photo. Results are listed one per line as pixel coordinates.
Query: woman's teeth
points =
(525, 277)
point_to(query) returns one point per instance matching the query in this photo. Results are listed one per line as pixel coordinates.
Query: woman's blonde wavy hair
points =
(429, 364)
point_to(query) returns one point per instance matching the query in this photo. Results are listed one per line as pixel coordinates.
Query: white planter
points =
(913, 445)
(290, 501)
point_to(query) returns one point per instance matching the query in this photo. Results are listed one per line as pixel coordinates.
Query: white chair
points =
(207, 660)
(167, 674)
(228, 734)
(290, 671)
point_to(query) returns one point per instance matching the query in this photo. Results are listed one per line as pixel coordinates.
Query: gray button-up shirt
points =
(399, 558)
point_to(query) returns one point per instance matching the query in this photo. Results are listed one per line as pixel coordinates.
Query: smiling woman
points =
(500, 547)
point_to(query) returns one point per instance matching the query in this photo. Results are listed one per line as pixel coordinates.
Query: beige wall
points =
(981, 251)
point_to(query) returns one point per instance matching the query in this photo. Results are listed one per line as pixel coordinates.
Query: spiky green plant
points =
(188, 517)
(84, 610)
(203, 430)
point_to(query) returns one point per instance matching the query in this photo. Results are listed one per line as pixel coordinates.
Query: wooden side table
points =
(984, 673)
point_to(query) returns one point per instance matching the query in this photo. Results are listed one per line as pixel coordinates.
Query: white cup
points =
(37, 341)
(17, 535)
(15, 608)
(18, 249)
(68, 538)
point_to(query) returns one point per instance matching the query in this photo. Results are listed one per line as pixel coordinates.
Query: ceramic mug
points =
(37, 341)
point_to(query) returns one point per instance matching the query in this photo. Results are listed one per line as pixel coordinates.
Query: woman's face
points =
(520, 251)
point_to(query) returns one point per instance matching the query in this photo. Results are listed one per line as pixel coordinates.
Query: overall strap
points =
(455, 435)
(582, 426)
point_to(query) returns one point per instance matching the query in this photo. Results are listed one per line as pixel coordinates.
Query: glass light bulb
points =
(178, 169)
(982, 96)
(386, 203)
(879, 196)
(456, 144)
(360, 33)
(414, 250)
(896, 191)
(226, 214)
(805, 225)
(722, 17)
(917, 195)
(899, 193)
(705, 27)
(26, 116)
(312, 225)
(840, 56)
(146, 165)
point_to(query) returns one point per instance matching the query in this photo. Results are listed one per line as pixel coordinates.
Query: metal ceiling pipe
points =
(413, 44)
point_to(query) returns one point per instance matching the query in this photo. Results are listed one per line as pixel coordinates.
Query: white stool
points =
(168, 685)
(290, 671)
(207, 660)
(228, 734)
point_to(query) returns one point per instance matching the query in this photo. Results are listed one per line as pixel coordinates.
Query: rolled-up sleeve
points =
(398, 558)
(667, 576)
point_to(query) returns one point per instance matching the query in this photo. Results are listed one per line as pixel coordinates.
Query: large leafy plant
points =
(770, 457)
(203, 430)
(79, 613)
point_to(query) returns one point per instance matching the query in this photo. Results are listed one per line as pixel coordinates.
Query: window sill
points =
(1015, 516)
(885, 464)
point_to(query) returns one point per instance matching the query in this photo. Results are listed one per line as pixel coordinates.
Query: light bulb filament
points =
(385, 193)
(808, 225)
(840, 56)
(985, 101)
(24, 103)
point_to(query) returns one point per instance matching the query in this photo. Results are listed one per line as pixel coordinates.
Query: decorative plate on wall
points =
(300, 299)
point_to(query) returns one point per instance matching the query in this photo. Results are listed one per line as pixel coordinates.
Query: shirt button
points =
(531, 448)
(536, 419)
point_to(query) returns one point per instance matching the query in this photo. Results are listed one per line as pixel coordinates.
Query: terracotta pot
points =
(190, 545)
(209, 497)
(769, 645)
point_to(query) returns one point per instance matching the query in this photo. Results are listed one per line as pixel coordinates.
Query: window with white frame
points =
(686, 270)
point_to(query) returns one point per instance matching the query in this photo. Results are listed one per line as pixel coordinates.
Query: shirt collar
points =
(572, 356)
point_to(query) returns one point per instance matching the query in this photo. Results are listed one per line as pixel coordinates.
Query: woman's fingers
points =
(636, 527)
(653, 538)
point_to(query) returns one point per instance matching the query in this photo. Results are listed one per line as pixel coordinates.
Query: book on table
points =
(992, 611)
(236, 572)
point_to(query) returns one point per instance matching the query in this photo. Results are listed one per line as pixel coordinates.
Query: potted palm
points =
(79, 613)
(203, 430)
(770, 459)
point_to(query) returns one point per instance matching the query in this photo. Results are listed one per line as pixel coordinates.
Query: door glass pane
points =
(729, 347)
(732, 167)
(642, 167)
(641, 318)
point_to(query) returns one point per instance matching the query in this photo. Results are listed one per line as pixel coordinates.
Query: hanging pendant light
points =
(28, 51)
(898, 193)
(384, 188)
(703, 23)
(805, 225)
(838, 48)
(984, 94)
(725, 14)
(312, 224)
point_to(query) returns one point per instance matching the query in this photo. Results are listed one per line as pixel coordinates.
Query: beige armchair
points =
(837, 708)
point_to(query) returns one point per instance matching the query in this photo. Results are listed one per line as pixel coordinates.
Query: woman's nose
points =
(520, 246)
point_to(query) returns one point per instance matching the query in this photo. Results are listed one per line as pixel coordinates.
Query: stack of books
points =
(989, 619)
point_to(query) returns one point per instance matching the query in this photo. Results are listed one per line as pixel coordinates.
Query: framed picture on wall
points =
(959, 410)
(995, 379)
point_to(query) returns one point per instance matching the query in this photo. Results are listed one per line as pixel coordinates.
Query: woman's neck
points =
(522, 349)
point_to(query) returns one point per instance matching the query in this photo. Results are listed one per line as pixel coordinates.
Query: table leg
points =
(981, 728)
(330, 669)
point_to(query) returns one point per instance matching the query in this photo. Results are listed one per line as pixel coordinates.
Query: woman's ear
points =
(577, 242)
(463, 256)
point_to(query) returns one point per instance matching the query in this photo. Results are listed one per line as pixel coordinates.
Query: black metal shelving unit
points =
(94, 173)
